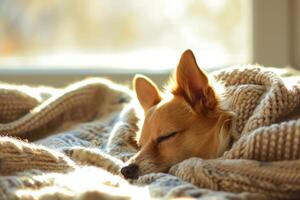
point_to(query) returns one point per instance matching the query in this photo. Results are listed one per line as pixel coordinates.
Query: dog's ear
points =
(146, 91)
(193, 84)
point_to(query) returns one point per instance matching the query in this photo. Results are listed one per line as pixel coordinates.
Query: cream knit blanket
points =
(79, 137)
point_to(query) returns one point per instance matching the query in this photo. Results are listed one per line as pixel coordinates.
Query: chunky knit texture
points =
(79, 137)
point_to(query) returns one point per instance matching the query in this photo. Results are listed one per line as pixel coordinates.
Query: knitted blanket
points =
(70, 143)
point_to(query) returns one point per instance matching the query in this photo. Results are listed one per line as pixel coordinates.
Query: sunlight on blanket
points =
(103, 81)
(291, 77)
(84, 183)
(90, 82)
(34, 92)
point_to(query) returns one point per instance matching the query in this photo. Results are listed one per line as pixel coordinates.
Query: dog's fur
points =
(186, 121)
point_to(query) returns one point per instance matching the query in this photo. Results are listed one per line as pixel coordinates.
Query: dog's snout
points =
(130, 171)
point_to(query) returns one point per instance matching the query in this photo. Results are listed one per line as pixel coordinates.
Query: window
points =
(121, 35)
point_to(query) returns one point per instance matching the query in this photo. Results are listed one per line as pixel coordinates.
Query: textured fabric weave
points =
(79, 137)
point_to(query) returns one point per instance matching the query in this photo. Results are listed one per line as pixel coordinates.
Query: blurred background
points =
(55, 42)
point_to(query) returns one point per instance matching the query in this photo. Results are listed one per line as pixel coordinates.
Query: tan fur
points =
(191, 108)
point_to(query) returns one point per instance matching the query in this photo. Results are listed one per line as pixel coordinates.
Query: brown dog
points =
(186, 121)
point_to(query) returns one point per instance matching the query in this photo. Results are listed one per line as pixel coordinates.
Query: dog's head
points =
(185, 122)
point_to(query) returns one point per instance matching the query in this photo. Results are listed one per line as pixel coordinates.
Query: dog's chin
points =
(149, 171)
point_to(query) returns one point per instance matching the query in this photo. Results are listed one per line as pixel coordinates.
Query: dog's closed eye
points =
(165, 137)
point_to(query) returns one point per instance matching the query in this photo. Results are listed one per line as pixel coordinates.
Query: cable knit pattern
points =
(277, 179)
(80, 136)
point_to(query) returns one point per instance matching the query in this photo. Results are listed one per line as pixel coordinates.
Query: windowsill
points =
(59, 77)
(76, 71)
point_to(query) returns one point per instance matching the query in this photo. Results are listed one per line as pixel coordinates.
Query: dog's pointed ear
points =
(192, 82)
(146, 91)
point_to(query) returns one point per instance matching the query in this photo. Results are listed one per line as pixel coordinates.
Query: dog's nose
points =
(130, 171)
